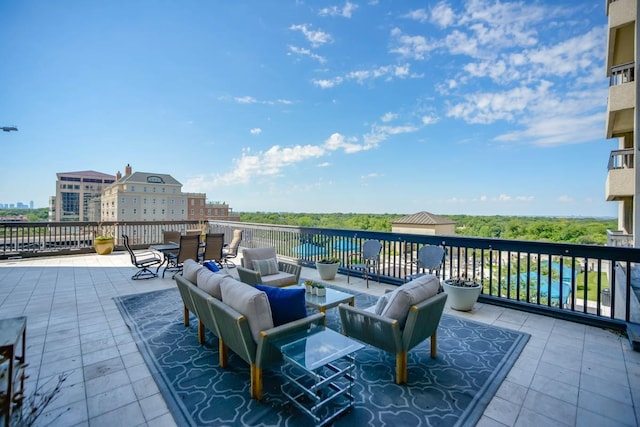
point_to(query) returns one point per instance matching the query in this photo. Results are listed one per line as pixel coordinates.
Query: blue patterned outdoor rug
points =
(454, 389)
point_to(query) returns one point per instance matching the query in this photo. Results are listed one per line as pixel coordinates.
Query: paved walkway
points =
(568, 374)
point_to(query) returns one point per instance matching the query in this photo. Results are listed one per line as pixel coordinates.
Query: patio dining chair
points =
(369, 259)
(213, 244)
(231, 250)
(142, 260)
(189, 247)
(430, 260)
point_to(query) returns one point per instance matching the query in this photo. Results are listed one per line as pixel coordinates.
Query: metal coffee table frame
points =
(318, 368)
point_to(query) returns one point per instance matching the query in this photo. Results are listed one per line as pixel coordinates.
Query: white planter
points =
(321, 292)
(461, 298)
(327, 271)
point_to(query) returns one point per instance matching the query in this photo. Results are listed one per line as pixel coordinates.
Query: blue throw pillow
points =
(211, 266)
(287, 305)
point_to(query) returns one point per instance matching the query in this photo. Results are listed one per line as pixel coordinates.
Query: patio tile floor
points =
(568, 374)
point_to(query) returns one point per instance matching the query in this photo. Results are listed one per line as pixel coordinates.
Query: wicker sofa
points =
(239, 315)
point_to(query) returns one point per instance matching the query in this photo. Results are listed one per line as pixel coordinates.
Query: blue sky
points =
(453, 107)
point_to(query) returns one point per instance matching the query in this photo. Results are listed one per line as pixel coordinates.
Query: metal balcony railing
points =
(585, 283)
(560, 280)
(621, 159)
(621, 74)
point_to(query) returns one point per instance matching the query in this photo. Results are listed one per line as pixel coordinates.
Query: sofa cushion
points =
(250, 302)
(409, 294)
(251, 254)
(266, 267)
(209, 282)
(287, 305)
(190, 270)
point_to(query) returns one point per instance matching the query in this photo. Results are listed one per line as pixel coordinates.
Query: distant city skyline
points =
(19, 205)
(480, 107)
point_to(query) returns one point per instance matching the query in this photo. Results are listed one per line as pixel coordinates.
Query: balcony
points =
(622, 15)
(621, 176)
(621, 103)
(568, 374)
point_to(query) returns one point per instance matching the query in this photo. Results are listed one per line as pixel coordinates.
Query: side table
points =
(12, 333)
(318, 368)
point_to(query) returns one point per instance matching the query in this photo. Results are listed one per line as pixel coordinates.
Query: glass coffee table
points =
(332, 298)
(318, 368)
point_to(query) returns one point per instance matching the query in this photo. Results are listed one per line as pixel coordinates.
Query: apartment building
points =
(623, 178)
(199, 209)
(143, 196)
(74, 194)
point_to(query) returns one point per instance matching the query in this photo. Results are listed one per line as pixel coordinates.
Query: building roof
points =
(423, 218)
(87, 174)
(143, 178)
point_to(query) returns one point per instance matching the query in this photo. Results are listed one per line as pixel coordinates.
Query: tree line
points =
(549, 229)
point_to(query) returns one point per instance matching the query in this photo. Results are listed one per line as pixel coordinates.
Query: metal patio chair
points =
(142, 260)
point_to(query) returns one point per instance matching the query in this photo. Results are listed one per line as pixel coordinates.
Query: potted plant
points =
(320, 290)
(328, 268)
(104, 242)
(308, 284)
(462, 293)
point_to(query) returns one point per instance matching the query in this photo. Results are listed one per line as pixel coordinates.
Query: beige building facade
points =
(623, 179)
(143, 196)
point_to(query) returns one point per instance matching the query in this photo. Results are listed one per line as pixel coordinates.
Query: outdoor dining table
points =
(164, 249)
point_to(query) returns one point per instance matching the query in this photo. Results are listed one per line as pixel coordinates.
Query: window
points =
(153, 201)
(145, 201)
(173, 212)
(122, 211)
(209, 211)
(182, 211)
(144, 211)
(193, 211)
(144, 189)
(201, 202)
(162, 211)
(133, 188)
(135, 211)
(163, 189)
(193, 202)
(201, 211)
(122, 200)
(162, 201)
(154, 211)
(135, 200)
(154, 189)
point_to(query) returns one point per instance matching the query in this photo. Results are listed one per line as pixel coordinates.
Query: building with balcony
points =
(74, 194)
(622, 177)
(199, 209)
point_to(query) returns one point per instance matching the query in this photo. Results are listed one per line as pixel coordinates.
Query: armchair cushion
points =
(409, 294)
(209, 282)
(266, 267)
(251, 254)
(250, 302)
(190, 270)
(287, 305)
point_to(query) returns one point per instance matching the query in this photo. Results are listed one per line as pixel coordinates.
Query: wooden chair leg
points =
(434, 345)
(256, 382)
(186, 316)
(222, 353)
(401, 367)
(201, 330)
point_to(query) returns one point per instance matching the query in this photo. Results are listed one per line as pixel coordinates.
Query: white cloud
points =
(387, 72)
(349, 145)
(255, 131)
(316, 38)
(323, 164)
(565, 199)
(245, 99)
(344, 11)
(300, 51)
(442, 15)
(387, 117)
(430, 119)
(415, 47)
(377, 134)
(419, 15)
(252, 100)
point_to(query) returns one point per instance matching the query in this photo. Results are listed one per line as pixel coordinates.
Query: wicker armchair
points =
(396, 335)
(287, 273)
